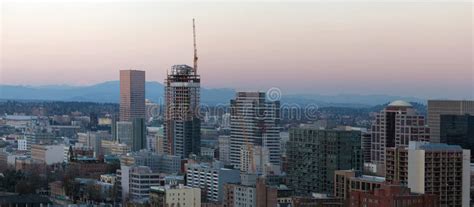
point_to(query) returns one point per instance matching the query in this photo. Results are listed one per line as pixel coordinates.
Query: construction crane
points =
(195, 49)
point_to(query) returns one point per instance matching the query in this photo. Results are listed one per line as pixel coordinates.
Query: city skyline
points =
(312, 47)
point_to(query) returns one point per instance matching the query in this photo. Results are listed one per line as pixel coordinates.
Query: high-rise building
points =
(436, 108)
(182, 126)
(132, 94)
(395, 126)
(458, 130)
(442, 170)
(396, 165)
(254, 121)
(314, 155)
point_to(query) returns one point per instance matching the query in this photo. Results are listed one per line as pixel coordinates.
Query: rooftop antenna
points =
(195, 49)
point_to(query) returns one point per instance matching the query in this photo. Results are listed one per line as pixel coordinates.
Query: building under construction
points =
(182, 127)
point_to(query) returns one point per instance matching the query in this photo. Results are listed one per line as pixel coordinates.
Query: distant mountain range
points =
(108, 92)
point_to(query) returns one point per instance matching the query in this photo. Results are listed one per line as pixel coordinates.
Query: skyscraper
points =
(182, 126)
(254, 121)
(132, 94)
(395, 126)
(436, 108)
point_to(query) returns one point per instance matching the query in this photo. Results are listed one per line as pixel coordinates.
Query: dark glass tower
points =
(457, 130)
(313, 156)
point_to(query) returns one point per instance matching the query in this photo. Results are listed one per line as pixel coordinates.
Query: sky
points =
(409, 48)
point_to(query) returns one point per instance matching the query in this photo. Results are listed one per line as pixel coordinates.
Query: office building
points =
(239, 195)
(225, 121)
(77, 151)
(224, 149)
(366, 145)
(314, 155)
(458, 130)
(346, 181)
(395, 126)
(211, 179)
(22, 145)
(254, 121)
(110, 147)
(182, 125)
(132, 94)
(252, 191)
(267, 196)
(139, 134)
(160, 163)
(436, 108)
(165, 196)
(38, 138)
(124, 132)
(93, 140)
(135, 181)
(47, 154)
(442, 170)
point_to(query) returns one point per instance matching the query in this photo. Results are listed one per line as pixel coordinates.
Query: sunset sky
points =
(409, 48)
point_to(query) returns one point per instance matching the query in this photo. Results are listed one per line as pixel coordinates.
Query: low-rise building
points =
(47, 154)
(135, 182)
(346, 181)
(159, 163)
(210, 178)
(180, 195)
(391, 195)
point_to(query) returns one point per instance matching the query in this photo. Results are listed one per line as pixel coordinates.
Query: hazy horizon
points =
(403, 49)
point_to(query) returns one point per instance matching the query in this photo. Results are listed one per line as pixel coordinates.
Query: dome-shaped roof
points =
(400, 103)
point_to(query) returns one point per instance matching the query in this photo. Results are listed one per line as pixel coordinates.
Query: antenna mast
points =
(195, 49)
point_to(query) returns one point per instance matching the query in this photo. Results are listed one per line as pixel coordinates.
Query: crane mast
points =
(195, 49)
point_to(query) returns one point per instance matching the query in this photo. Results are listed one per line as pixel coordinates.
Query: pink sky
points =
(413, 49)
